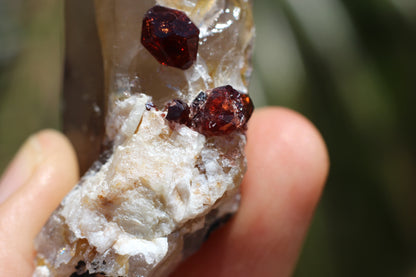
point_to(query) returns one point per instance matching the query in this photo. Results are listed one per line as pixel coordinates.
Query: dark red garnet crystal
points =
(221, 111)
(170, 36)
(178, 111)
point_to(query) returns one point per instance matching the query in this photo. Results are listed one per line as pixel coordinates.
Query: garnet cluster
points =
(213, 113)
(170, 36)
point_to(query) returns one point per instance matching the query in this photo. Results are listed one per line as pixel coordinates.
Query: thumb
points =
(42, 173)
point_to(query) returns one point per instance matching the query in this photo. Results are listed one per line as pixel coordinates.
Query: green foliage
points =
(356, 82)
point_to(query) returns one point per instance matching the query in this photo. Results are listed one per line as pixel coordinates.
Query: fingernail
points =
(21, 168)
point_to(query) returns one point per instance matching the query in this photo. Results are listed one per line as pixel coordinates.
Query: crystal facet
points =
(170, 36)
(178, 111)
(224, 111)
(218, 112)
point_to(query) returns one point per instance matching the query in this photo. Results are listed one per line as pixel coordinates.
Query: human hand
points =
(42, 173)
(287, 167)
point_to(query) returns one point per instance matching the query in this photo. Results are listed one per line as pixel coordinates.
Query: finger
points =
(287, 167)
(24, 213)
(21, 168)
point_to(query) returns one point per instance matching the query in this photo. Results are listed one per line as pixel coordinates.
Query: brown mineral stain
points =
(40, 261)
(104, 201)
(138, 125)
(82, 247)
(178, 195)
(123, 261)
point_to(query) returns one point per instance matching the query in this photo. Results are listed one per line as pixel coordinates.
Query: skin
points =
(287, 168)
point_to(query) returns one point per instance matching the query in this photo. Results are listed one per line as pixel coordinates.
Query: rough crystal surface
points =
(223, 111)
(170, 36)
(163, 187)
(130, 216)
(178, 111)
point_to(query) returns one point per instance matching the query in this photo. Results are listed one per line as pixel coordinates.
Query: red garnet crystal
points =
(170, 36)
(224, 111)
(178, 111)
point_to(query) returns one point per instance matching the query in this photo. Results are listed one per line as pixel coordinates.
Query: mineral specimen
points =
(171, 174)
(178, 111)
(170, 36)
(221, 112)
(224, 110)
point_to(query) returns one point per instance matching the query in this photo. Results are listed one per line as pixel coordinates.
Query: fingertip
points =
(288, 149)
(27, 209)
(287, 168)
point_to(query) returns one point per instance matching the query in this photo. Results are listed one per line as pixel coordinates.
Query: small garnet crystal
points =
(170, 36)
(178, 111)
(224, 111)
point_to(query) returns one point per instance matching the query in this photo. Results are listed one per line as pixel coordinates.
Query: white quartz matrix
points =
(129, 217)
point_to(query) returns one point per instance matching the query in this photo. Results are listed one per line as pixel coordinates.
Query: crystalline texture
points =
(170, 36)
(178, 111)
(167, 179)
(132, 216)
(225, 110)
(222, 111)
(224, 52)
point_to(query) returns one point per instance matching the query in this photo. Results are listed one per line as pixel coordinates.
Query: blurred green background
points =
(348, 65)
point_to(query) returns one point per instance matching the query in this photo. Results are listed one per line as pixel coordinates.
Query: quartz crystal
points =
(172, 169)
